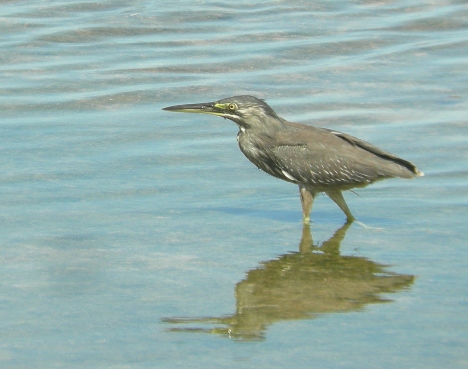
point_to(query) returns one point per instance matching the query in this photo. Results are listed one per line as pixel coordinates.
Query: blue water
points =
(136, 238)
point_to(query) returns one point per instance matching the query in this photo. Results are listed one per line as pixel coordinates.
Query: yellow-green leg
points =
(307, 200)
(339, 200)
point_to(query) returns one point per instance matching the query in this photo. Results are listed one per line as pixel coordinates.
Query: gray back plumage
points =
(321, 158)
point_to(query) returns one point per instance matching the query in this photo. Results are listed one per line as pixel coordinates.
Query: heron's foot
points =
(350, 218)
(306, 220)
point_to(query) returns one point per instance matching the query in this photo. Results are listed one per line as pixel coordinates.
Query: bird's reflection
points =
(300, 285)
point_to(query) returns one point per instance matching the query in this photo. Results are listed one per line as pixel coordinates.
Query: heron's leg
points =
(339, 200)
(307, 200)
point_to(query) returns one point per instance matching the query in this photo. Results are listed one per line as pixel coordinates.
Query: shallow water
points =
(134, 237)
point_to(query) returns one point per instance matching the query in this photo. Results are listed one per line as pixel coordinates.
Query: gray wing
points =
(356, 142)
(321, 157)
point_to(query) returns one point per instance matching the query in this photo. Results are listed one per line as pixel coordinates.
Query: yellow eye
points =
(232, 107)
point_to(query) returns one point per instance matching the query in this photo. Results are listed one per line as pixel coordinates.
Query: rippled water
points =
(133, 237)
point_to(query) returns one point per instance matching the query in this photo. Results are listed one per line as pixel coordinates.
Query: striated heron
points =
(315, 159)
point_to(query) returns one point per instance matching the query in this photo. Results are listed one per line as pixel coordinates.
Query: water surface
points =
(133, 237)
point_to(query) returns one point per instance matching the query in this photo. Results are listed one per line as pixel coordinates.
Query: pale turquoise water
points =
(120, 220)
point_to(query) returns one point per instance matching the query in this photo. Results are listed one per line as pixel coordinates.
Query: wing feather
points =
(321, 157)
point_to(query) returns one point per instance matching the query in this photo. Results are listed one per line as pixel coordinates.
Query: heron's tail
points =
(419, 173)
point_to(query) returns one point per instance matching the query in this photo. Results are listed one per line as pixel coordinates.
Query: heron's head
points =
(246, 111)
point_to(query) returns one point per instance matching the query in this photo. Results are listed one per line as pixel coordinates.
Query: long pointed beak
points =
(204, 108)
